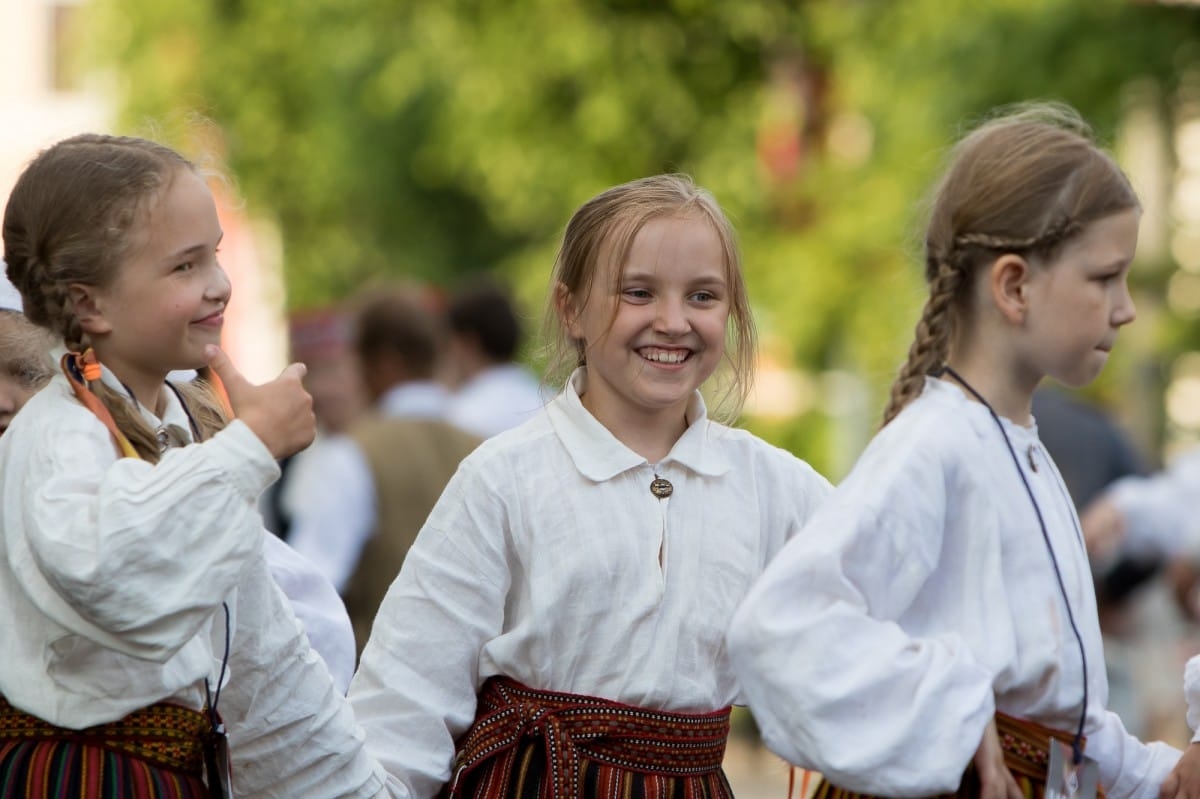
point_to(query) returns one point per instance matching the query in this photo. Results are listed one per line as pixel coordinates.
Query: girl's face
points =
(1078, 302)
(13, 394)
(655, 338)
(167, 301)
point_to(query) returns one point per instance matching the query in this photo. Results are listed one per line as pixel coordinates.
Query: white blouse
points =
(548, 560)
(113, 573)
(920, 599)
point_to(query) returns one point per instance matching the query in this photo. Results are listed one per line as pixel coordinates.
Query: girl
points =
(25, 364)
(938, 610)
(140, 612)
(560, 620)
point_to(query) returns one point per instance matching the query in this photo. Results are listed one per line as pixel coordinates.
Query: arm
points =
(132, 555)
(317, 606)
(834, 682)
(415, 690)
(291, 733)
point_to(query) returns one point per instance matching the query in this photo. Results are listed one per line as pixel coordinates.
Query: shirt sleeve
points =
(136, 555)
(333, 508)
(416, 686)
(833, 681)
(1128, 767)
(318, 607)
(291, 732)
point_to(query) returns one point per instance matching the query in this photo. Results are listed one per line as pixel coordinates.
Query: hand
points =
(1103, 528)
(279, 412)
(1184, 780)
(995, 780)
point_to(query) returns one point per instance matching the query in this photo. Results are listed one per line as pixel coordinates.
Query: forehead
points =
(688, 236)
(1108, 240)
(182, 214)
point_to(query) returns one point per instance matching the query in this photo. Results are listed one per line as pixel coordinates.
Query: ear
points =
(564, 304)
(85, 305)
(1008, 281)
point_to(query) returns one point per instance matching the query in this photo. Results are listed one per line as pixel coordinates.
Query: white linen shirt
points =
(548, 560)
(113, 572)
(920, 599)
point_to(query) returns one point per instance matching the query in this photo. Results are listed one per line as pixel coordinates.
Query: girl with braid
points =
(933, 627)
(141, 621)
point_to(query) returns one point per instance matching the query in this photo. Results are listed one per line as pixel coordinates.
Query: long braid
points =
(932, 341)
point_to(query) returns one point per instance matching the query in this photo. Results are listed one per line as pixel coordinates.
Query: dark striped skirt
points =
(529, 744)
(153, 753)
(1026, 746)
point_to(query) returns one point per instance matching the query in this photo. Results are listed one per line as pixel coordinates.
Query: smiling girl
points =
(558, 627)
(141, 620)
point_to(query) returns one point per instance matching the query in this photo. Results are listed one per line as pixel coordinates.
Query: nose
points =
(1124, 311)
(670, 318)
(219, 288)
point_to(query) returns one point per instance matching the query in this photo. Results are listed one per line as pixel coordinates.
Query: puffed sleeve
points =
(291, 732)
(833, 681)
(180, 533)
(416, 685)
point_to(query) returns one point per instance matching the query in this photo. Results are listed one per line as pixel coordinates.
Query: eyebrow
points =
(637, 275)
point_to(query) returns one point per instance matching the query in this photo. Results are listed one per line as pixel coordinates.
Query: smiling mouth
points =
(664, 356)
(211, 319)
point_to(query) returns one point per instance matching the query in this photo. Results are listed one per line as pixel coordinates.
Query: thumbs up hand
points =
(279, 412)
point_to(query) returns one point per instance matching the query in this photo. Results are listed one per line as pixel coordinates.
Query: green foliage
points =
(435, 139)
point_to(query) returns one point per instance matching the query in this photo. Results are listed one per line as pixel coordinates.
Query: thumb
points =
(219, 362)
(294, 370)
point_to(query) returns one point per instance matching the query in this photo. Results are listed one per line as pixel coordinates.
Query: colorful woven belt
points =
(575, 727)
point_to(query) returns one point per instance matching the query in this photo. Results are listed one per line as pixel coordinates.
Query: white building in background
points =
(46, 95)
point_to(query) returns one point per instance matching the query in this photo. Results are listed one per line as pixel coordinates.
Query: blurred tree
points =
(432, 139)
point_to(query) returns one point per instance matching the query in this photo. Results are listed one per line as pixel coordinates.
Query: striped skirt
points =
(1026, 746)
(530, 744)
(153, 753)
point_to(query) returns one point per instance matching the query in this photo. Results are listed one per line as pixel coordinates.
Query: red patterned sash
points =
(574, 727)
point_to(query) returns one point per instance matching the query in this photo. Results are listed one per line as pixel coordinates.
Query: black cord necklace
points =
(1077, 744)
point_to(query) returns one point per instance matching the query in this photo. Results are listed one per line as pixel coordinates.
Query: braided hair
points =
(1026, 182)
(75, 214)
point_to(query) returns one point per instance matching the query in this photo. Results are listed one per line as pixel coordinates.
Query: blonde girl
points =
(558, 627)
(141, 621)
(938, 612)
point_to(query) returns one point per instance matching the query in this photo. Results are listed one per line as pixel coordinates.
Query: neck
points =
(1008, 397)
(652, 437)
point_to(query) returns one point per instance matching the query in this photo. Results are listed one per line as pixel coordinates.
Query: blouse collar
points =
(599, 455)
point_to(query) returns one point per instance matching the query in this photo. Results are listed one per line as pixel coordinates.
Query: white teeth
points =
(664, 357)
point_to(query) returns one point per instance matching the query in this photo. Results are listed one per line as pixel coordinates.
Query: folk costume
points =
(559, 624)
(130, 590)
(926, 596)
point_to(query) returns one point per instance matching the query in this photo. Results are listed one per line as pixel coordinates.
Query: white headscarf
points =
(10, 298)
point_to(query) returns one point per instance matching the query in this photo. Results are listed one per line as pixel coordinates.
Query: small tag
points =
(1064, 779)
(218, 773)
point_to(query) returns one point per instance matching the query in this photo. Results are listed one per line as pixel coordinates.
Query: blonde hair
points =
(75, 214)
(612, 219)
(1025, 182)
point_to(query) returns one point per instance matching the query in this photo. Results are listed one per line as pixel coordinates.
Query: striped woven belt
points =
(1026, 745)
(163, 734)
(575, 727)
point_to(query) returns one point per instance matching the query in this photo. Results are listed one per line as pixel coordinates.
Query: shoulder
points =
(743, 449)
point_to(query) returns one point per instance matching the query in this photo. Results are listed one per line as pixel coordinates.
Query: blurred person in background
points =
(323, 341)
(492, 392)
(373, 486)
